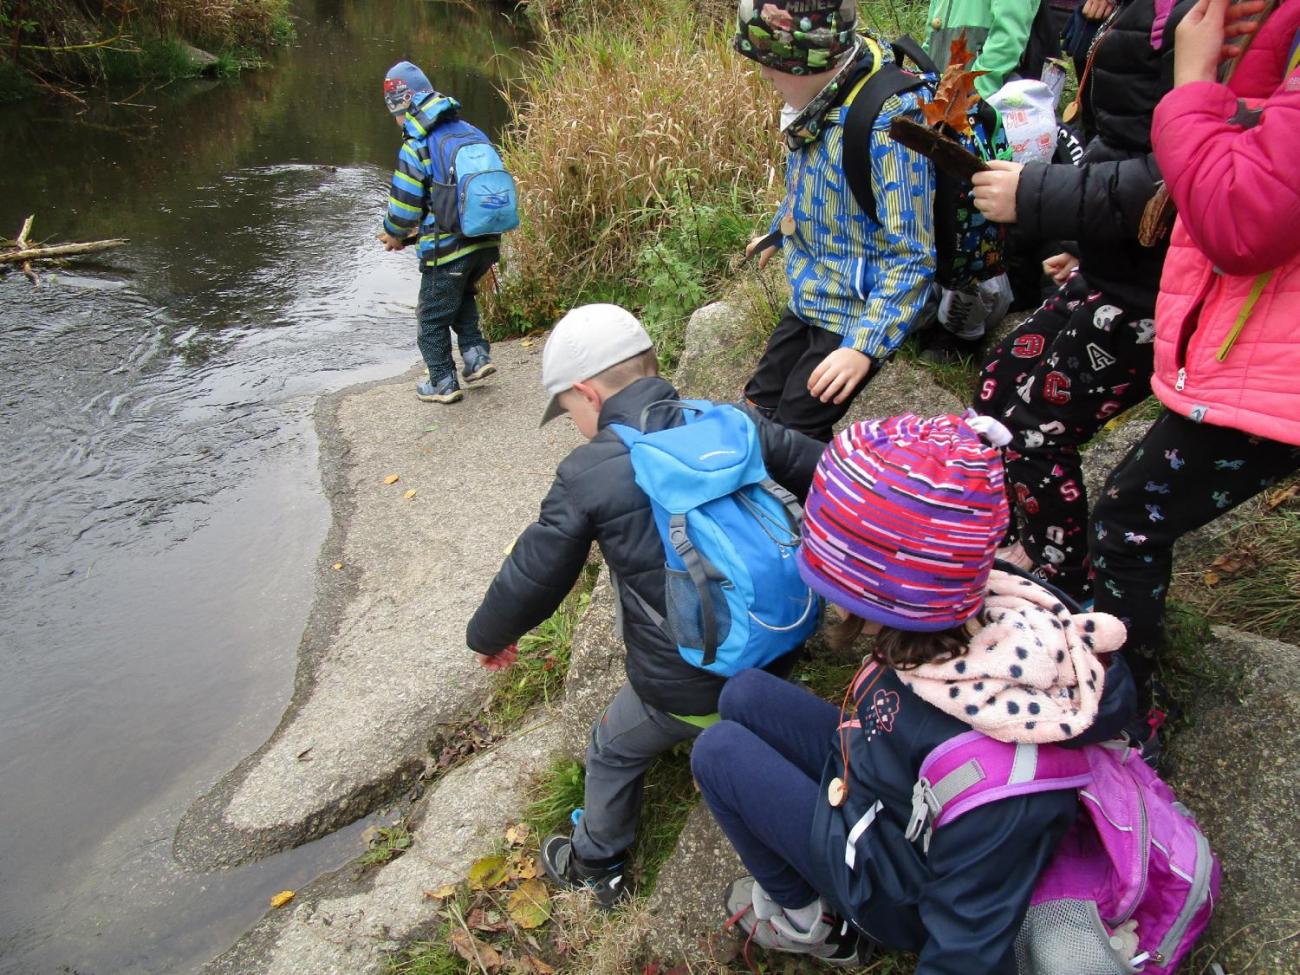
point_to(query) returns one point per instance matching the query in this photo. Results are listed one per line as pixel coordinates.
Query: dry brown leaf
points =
(441, 894)
(337, 566)
(1285, 494)
(537, 966)
(530, 905)
(955, 95)
(523, 866)
(282, 898)
(487, 873)
(409, 494)
(392, 479)
(517, 835)
(474, 950)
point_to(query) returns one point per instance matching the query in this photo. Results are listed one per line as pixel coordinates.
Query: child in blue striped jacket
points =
(858, 284)
(451, 263)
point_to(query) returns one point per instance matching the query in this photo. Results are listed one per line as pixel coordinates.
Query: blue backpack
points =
(471, 193)
(734, 595)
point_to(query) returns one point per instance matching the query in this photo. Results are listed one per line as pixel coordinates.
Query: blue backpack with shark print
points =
(470, 191)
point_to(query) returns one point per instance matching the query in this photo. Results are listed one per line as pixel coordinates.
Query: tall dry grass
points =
(613, 127)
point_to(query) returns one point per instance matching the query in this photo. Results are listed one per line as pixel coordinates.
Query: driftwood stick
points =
(21, 242)
(58, 250)
(944, 152)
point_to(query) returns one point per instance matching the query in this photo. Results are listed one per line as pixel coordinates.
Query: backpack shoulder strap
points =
(861, 108)
(972, 770)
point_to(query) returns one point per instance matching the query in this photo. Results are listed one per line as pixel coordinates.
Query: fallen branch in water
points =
(23, 252)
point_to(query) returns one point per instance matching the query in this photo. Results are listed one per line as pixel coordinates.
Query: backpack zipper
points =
(1195, 899)
(1144, 839)
(1256, 289)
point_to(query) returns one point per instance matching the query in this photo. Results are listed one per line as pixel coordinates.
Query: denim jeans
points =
(447, 303)
(759, 770)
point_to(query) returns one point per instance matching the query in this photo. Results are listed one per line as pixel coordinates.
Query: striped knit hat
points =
(902, 521)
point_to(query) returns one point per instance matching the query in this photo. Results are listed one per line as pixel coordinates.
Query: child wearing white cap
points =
(600, 368)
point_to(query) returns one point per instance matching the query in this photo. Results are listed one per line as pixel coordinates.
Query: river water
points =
(161, 507)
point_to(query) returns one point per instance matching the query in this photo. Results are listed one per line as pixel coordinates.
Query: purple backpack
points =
(1134, 856)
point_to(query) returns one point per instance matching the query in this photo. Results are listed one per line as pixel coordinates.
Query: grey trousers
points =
(625, 739)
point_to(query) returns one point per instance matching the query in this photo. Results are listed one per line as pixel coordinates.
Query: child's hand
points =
(1198, 42)
(1097, 9)
(390, 242)
(839, 374)
(995, 190)
(502, 660)
(1058, 266)
(764, 255)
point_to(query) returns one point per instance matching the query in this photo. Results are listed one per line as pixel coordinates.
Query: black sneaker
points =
(940, 346)
(603, 878)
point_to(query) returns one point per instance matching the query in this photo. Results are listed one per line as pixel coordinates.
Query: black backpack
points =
(969, 249)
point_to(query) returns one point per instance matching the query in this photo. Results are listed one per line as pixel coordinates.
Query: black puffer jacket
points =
(595, 498)
(1099, 205)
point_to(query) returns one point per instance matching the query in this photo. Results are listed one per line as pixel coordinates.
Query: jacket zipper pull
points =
(1182, 379)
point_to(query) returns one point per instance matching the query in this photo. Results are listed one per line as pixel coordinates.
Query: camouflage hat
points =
(795, 36)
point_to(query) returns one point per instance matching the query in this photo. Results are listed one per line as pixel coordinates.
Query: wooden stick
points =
(21, 242)
(58, 250)
(944, 152)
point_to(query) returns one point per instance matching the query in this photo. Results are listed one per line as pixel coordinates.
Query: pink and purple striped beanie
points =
(903, 519)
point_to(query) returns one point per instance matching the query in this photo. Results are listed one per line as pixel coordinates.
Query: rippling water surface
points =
(161, 506)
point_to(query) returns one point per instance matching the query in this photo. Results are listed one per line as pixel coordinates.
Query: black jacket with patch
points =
(1099, 204)
(960, 905)
(594, 498)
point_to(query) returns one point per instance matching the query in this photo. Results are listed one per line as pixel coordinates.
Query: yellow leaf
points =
(337, 566)
(1212, 578)
(517, 835)
(409, 494)
(527, 343)
(392, 479)
(282, 898)
(530, 905)
(538, 966)
(523, 865)
(487, 873)
(441, 894)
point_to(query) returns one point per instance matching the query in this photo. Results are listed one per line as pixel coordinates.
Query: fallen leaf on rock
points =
(282, 898)
(392, 479)
(530, 905)
(441, 894)
(409, 494)
(1286, 494)
(527, 343)
(303, 756)
(337, 566)
(474, 950)
(487, 873)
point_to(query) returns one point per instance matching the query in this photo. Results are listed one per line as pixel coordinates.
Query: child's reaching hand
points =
(501, 660)
(839, 374)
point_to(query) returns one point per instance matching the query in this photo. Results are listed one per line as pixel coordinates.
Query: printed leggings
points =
(1180, 476)
(1072, 365)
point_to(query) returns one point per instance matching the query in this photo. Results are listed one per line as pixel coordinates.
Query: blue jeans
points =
(446, 304)
(759, 770)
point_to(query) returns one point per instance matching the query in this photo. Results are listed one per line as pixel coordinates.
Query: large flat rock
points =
(342, 925)
(383, 659)
(1235, 768)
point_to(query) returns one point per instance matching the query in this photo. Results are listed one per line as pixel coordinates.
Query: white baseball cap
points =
(586, 342)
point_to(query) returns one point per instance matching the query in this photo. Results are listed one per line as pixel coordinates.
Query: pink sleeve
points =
(1233, 187)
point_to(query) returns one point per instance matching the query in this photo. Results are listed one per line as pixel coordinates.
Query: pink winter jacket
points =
(1228, 315)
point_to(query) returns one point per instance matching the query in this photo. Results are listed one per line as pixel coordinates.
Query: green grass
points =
(427, 958)
(538, 675)
(389, 843)
(959, 378)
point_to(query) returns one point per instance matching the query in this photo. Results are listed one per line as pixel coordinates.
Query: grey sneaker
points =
(445, 390)
(764, 923)
(478, 365)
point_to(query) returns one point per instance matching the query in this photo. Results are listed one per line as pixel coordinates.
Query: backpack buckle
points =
(925, 806)
(679, 540)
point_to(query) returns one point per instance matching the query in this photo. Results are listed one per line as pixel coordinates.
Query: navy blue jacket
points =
(594, 498)
(960, 906)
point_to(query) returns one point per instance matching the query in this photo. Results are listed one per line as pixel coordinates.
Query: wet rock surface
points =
(383, 661)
